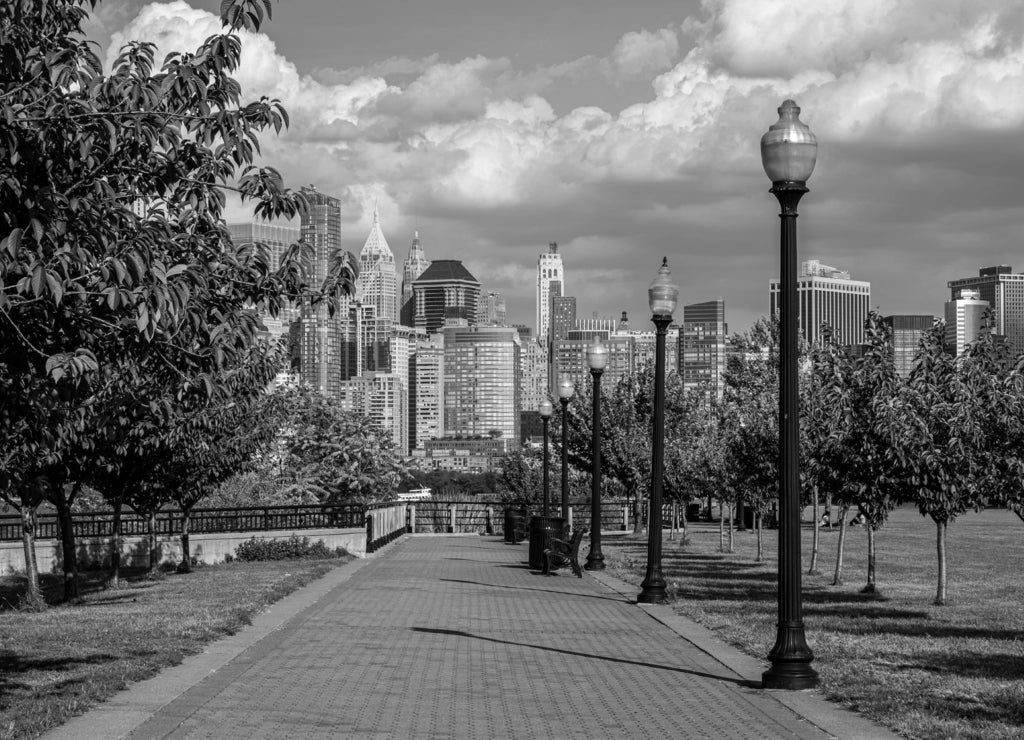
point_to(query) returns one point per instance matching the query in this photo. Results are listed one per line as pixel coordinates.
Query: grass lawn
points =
(954, 671)
(57, 663)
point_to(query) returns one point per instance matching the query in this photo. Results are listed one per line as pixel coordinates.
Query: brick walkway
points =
(454, 637)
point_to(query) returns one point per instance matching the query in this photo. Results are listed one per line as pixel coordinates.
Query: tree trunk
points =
(33, 594)
(114, 575)
(760, 540)
(154, 553)
(869, 588)
(813, 570)
(740, 516)
(732, 518)
(185, 566)
(838, 578)
(682, 535)
(940, 546)
(67, 545)
(721, 527)
(828, 510)
(638, 514)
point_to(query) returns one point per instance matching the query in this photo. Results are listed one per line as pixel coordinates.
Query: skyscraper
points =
(444, 291)
(481, 382)
(1003, 290)
(963, 320)
(415, 263)
(378, 281)
(702, 347)
(492, 309)
(549, 270)
(426, 390)
(828, 295)
(906, 339)
(277, 238)
(320, 349)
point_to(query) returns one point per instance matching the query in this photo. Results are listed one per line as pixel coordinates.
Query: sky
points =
(630, 131)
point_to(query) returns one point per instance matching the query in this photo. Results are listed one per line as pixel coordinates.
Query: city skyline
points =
(636, 136)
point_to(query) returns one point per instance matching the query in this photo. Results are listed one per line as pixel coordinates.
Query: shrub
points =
(292, 548)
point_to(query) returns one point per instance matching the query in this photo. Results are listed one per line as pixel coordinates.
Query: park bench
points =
(562, 552)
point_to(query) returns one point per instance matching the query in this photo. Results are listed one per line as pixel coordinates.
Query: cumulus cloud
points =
(885, 82)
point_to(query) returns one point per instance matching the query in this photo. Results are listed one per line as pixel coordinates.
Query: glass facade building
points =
(481, 382)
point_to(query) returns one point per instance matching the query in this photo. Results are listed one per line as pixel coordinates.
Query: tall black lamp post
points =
(566, 389)
(662, 296)
(597, 359)
(546, 409)
(788, 152)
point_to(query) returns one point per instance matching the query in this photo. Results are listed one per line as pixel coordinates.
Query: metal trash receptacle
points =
(542, 529)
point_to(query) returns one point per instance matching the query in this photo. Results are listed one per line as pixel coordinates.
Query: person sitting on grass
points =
(826, 520)
(859, 521)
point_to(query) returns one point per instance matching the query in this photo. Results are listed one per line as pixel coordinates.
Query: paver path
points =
(455, 637)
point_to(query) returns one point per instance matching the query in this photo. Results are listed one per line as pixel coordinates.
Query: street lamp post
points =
(788, 152)
(546, 410)
(597, 359)
(566, 389)
(662, 296)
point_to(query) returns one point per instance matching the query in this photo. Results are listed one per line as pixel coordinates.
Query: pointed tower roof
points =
(376, 245)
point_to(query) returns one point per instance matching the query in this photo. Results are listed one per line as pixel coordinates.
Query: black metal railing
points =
(202, 521)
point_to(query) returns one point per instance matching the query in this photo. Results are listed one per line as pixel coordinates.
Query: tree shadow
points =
(12, 664)
(621, 661)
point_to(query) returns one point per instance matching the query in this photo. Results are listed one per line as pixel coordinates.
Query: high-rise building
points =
(426, 390)
(906, 333)
(549, 270)
(828, 295)
(569, 356)
(533, 380)
(481, 381)
(320, 346)
(381, 397)
(276, 238)
(963, 320)
(702, 347)
(1003, 290)
(415, 263)
(377, 285)
(563, 316)
(444, 291)
(492, 309)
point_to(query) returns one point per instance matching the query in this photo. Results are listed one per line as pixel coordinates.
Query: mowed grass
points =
(954, 671)
(59, 662)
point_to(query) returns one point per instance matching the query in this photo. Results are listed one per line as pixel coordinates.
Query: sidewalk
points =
(455, 637)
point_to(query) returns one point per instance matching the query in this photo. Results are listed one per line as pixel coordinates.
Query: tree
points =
(112, 241)
(939, 428)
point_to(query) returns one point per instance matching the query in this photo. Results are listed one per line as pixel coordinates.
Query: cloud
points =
(906, 97)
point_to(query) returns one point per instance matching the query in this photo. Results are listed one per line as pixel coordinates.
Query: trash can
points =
(542, 529)
(514, 519)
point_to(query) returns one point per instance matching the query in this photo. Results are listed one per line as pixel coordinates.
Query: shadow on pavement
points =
(541, 590)
(699, 674)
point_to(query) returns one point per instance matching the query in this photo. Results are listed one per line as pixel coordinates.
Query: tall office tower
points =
(906, 333)
(963, 320)
(569, 357)
(426, 390)
(563, 316)
(415, 263)
(549, 270)
(702, 347)
(533, 380)
(378, 282)
(492, 309)
(320, 347)
(277, 239)
(481, 388)
(381, 397)
(445, 291)
(828, 295)
(1003, 289)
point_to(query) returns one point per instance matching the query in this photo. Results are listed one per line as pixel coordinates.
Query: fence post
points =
(452, 525)
(412, 518)
(625, 518)
(490, 527)
(569, 525)
(369, 531)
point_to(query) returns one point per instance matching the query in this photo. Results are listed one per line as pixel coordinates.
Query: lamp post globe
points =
(566, 389)
(662, 295)
(788, 153)
(597, 360)
(546, 409)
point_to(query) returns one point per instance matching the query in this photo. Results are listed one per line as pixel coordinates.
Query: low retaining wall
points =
(206, 548)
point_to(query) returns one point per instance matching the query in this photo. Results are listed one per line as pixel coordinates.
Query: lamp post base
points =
(791, 661)
(652, 595)
(594, 562)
